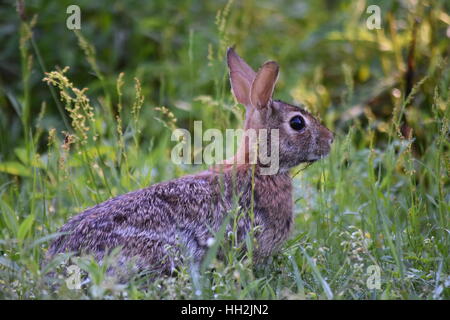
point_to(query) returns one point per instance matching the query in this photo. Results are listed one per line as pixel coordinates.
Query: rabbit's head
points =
(301, 136)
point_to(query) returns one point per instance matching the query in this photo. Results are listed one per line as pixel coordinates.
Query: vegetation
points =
(88, 115)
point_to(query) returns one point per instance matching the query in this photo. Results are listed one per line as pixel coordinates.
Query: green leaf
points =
(25, 227)
(21, 153)
(9, 217)
(325, 286)
(15, 168)
(9, 264)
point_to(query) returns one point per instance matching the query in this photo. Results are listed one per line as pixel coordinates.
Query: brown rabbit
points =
(158, 224)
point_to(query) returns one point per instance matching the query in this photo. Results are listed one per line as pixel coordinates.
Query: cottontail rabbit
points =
(155, 224)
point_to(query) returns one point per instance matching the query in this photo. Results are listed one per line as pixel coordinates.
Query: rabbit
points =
(163, 225)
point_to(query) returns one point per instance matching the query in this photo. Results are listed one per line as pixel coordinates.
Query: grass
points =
(380, 199)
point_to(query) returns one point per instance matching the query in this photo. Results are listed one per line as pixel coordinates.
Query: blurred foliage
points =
(177, 50)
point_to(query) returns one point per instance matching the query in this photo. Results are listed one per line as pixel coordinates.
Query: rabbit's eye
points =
(297, 123)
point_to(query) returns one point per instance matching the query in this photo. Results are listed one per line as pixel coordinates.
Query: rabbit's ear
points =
(262, 87)
(241, 77)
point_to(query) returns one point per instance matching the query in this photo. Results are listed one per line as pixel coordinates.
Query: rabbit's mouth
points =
(311, 161)
(315, 158)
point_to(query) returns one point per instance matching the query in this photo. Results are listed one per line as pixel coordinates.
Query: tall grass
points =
(379, 199)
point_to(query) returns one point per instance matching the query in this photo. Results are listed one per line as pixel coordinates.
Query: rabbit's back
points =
(155, 224)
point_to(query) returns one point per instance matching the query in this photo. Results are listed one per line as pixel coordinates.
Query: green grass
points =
(378, 199)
